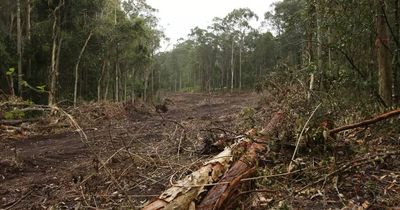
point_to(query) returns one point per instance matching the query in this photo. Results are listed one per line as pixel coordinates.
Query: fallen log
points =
(219, 195)
(183, 194)
(366, 122)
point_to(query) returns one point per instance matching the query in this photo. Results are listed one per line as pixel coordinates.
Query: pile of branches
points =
(228, 178)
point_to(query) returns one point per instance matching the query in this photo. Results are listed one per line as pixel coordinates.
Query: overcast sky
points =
(177, 17)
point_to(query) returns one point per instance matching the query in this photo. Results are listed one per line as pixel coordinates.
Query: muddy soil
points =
(125, 162)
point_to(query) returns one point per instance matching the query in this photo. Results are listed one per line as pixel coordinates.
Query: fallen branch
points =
(366, 122)
(301, 134)
(17, 122)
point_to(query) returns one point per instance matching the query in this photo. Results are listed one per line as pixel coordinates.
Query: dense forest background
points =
(58, 51)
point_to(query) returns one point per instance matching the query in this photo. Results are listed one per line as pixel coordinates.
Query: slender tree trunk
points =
(232, 65)
(396, 70)
(116, 76)
(180, 80)
(108, 79)
(10, 32)
(383, 55)
(240, 65)
(152, 81)
(310, 54)
(19, 47)
(103, 66)
(56, 48)
(77, 66)
(133, 84)
(125, 84)
(319, 46)
(330, 51)
(28, 34)
(146, 80)
(175, 81)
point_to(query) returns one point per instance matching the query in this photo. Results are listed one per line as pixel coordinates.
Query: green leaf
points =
(41, 88)
(10, 71)
(25, 83)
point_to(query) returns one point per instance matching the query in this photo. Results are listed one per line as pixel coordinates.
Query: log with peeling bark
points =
(219, 197)
(183, 194)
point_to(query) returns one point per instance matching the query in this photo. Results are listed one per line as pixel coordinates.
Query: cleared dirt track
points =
(141, 153)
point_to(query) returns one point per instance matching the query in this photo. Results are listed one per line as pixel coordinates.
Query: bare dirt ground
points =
(126, 161)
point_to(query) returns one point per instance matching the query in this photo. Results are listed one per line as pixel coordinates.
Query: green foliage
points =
(10, 71)
(246, 118)
(41, 88)
(123, 33)
(14, 114)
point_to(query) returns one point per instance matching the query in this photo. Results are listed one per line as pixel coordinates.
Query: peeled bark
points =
(56, 48)
(219, 195)
(183, 194)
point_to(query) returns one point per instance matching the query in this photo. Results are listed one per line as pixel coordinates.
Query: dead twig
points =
(85, 140)
(350, 165)
(12, 204)
(301, 134)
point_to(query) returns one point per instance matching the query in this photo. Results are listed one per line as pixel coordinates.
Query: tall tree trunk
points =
(116, 76)
(310, 52)
(383, 55)
(133, 85)
(99, 81)
(152, 81)
(240, 64)
(396, 70)
(56, 48)
(330, 51)
(108, 79)
(146, 80)
(28, 34)
(319, 46)
(19, 47)
(12, 17)
(77, 66)
(232, 65)
(125, 84)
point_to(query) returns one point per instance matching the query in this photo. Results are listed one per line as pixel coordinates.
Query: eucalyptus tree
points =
(204, 45)
(238, 20)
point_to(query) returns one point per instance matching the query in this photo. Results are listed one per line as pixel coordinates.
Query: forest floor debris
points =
(140, 152)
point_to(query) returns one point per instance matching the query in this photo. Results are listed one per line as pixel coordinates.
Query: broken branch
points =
(366, 122)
